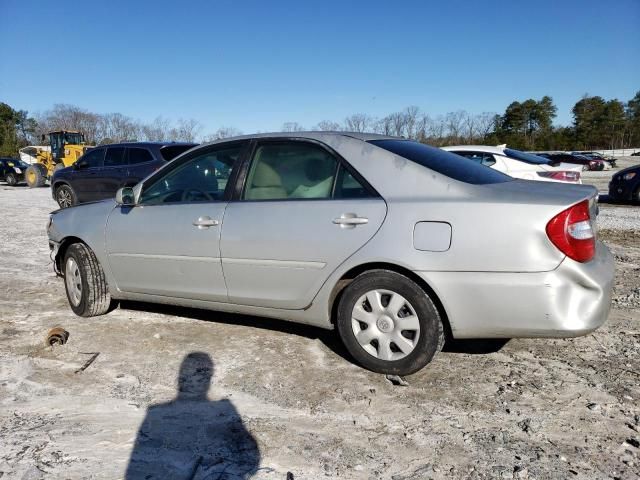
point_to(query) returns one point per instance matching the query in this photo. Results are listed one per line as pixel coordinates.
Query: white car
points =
(518, 164)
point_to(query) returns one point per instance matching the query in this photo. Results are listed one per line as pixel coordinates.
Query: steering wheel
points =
(186, 195)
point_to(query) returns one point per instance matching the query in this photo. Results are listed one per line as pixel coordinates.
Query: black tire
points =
(65, 196)
(94, 297)
(36, 175)
(11, 179)
(430, 338)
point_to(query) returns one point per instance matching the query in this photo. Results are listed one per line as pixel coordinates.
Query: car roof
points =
(146, 144)
(476, 148)
(314, 135)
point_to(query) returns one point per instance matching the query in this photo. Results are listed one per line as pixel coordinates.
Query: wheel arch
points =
(347, 277)
(62, 250)
(59, 183)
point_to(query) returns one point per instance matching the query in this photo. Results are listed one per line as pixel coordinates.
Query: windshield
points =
(447, 163)
(526, 157)
(73, 138)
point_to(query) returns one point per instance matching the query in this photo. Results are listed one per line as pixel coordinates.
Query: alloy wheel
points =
(64, 197)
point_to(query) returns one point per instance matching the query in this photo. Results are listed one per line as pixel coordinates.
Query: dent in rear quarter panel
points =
(572, 300)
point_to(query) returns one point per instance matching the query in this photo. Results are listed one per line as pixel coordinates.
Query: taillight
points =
(563, 176)
(572, 232)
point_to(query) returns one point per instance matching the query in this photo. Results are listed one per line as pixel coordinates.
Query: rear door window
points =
(446, 163)
(114, 157)
(290, 170)
(139, 155)
(92, 159)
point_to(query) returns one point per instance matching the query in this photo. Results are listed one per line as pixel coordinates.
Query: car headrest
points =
(265, 176)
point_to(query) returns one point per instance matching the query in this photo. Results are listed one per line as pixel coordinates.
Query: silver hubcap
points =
(73, 281)
(64, 197)
(385, 325)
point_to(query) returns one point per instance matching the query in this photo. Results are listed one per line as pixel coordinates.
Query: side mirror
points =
(126, 197)
(80, 165)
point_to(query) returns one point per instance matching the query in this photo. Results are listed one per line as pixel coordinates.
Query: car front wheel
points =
(65, 196)
(388, 323)
(85, 282)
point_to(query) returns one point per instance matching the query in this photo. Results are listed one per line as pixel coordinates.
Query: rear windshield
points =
(526, 157)
(447, 163)
(172, 151)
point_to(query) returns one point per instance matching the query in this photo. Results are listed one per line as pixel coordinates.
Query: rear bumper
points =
(572, 300)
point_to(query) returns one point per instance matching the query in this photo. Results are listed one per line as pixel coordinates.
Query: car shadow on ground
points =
(328, 337)
(192, 436)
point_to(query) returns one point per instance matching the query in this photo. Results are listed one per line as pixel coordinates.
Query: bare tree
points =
(157, 131)
(454, 122)
(469, 126)
(486, 123)
(69, 117)
(186, 130)
(411, 119)
(116, 127)
(358, 122)
(292, 127)
(327, 126)
(384, 126)
(222, 132)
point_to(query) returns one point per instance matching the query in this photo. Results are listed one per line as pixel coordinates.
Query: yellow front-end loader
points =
(65, 147)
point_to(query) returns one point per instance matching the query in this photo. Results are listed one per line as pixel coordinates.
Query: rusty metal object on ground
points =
(57, 336)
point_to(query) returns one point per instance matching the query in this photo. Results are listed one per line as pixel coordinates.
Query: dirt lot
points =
(283, 398)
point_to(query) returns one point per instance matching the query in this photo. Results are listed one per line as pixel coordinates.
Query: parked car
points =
(586, 163)
(609, 162)
(516, 164)
(12, 170)
(388, 240)
(635, 154)
(102, 170)
(625, 185)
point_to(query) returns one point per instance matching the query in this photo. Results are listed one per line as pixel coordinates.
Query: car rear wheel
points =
(65, 196)
(84, 282)
(388, 323)
(36, 175)
(11, 179)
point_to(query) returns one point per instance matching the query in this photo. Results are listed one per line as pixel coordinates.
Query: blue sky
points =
(256, 65)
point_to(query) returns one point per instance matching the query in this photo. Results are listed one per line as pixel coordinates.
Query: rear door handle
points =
(350, 220)
(205, 222)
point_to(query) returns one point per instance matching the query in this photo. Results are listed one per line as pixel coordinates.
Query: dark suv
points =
(625, 185)
(100, 172)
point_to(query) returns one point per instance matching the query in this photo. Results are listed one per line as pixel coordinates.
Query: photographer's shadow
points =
(192, 437)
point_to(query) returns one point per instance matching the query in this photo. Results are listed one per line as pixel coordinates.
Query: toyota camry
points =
(391, 242)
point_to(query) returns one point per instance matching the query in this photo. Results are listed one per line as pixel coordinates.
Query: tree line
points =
(597, 124)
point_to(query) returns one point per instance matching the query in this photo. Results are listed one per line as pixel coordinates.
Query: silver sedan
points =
(394, 243)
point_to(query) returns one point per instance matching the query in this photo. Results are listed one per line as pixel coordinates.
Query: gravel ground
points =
(285, 398)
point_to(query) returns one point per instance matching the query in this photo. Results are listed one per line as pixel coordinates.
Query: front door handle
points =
(205, 222)
(350, 220)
